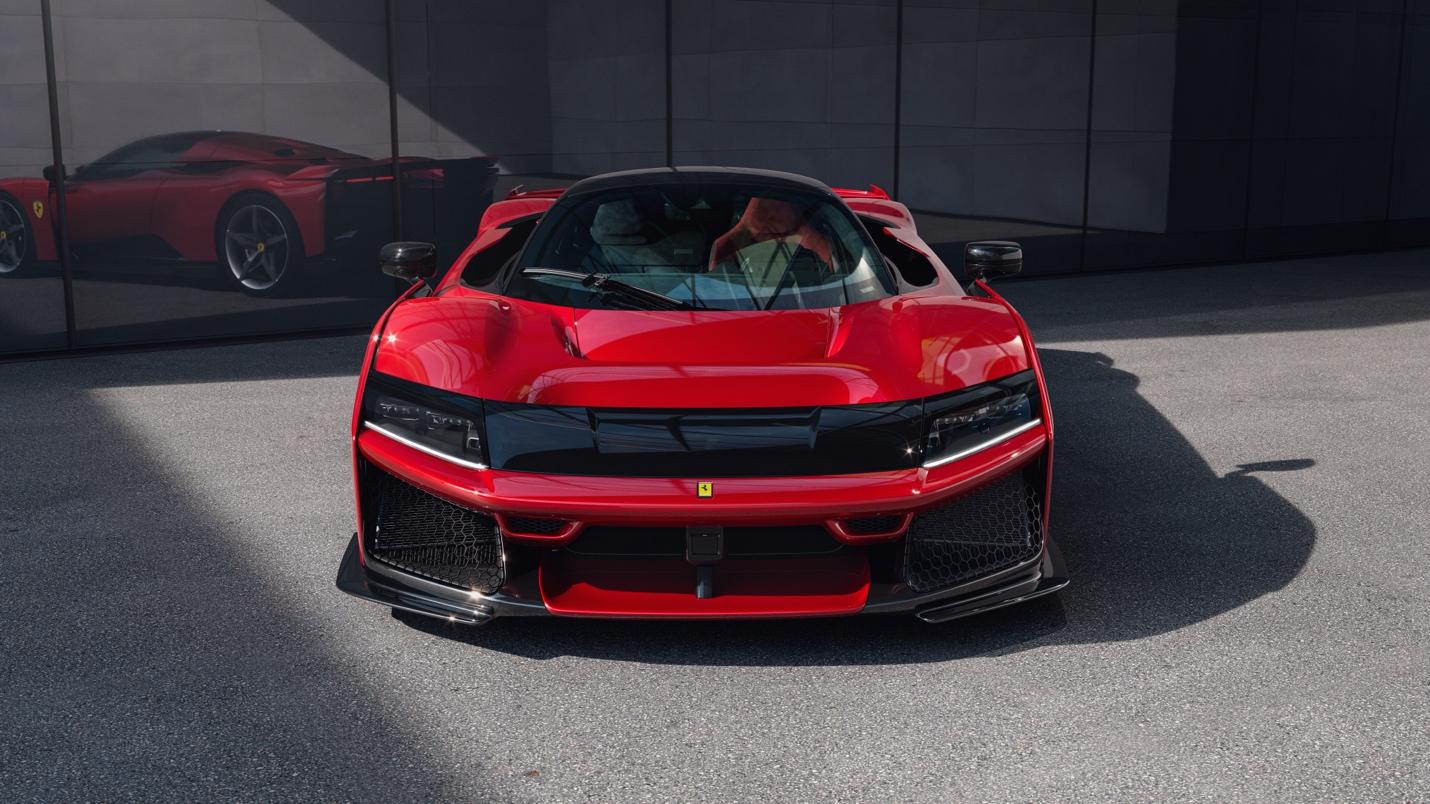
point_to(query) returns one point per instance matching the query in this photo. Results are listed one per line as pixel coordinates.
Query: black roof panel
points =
(656, 177)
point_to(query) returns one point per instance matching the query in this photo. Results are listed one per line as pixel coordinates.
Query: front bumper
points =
(540, 575)
(412, 593)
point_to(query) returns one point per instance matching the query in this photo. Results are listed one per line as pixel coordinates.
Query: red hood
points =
(505, 349)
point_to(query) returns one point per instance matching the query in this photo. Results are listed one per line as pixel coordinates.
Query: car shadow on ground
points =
(1153, 538)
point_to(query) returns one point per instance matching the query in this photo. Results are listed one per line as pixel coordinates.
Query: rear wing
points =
(876, 203)
(520, 191)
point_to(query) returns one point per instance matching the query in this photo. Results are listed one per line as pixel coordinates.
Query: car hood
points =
(512, 350)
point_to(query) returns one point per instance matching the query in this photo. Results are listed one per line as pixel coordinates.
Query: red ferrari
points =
(258, 205)
(700, 393)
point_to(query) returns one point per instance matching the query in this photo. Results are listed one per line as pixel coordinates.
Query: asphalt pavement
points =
(1240, 495)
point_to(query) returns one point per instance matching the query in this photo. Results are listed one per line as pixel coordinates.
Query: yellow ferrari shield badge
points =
(39, 208)
(704, 489)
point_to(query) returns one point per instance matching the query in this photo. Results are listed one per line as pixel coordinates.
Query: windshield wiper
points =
(603, 283)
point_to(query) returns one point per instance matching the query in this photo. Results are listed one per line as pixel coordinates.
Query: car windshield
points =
(152, 150)
(704, 246)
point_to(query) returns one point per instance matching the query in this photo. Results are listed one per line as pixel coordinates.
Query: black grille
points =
(420, 533)
(865, 525)
(535, 525)
(704, 444)
(991, 528)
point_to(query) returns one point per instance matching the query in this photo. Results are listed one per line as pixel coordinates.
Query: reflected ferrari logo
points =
(39, 208)
(704, 489)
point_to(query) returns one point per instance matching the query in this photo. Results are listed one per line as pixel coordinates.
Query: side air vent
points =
(424, 534)
(535, 526)
(868, 525)
(992, 528)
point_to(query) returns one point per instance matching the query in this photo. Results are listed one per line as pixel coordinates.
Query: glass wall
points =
(471, 92)
(1171, 130)
(994, 125)
(230, 165)
(32, 312)
(531, 94)
(1409, 203)
(805, 86)
(606, 68)
(1325, 120)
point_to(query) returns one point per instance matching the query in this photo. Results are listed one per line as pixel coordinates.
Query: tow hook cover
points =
(704, 544)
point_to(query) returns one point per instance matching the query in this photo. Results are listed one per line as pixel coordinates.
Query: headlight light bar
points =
(984, 416)
(445, 426)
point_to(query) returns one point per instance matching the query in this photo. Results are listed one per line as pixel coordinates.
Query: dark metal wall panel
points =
(1101, 133)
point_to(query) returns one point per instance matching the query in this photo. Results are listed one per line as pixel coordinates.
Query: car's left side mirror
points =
(49, 173)
(410, 260)
(990, 259)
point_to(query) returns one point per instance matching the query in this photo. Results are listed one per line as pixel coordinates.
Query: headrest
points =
(616, 223)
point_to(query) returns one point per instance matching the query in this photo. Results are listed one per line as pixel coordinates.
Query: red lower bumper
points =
(812, 587)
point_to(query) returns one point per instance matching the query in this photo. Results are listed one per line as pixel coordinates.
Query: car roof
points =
(666, 176)
(263, 143)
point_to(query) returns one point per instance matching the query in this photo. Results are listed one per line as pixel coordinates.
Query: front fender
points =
(36, 199)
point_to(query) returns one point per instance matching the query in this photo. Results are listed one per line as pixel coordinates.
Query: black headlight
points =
(963, 423)
(445, 425)
(707, 443)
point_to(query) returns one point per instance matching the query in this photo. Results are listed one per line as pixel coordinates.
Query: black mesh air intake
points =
(426, 535)
(992, 528)
(864, 525)
(535, 525)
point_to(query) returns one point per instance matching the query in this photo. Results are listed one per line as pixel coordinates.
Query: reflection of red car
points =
(696, 393)
(258, 205)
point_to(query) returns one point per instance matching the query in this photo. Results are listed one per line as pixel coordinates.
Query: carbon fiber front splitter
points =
(407, 592)
(412, 593)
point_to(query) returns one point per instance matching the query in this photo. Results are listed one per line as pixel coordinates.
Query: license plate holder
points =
(704, 544)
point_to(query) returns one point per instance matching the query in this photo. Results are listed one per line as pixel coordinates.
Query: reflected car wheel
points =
(259, 244)
(14, 235)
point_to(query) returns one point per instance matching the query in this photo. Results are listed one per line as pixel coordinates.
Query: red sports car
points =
(258, 205)
(700, 393)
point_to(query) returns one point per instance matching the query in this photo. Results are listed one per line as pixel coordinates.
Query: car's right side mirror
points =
(990, 259)
(410, 260)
